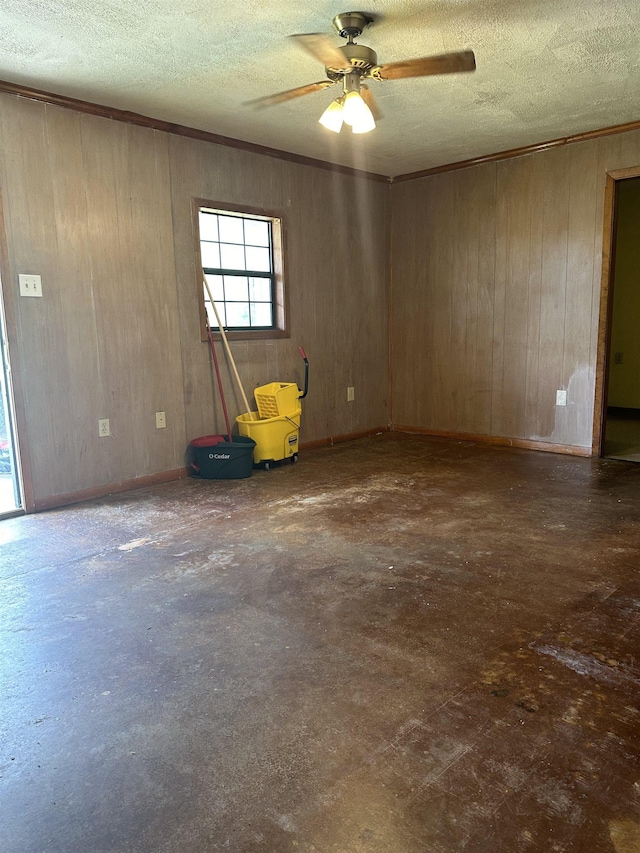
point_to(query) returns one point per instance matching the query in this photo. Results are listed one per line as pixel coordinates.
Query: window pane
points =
(239, 244)
(210, 255)
(211, 317)
(260, 289)
(237, 313)
(231, 230)
(256, 233)
(231, 257)
(208, 226)
(258, 259)
(215, 286)
(261, 314)
(236, 288)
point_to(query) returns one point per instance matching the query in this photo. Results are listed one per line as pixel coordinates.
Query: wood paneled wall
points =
(87, 207)
(101, 210)
(495, 286)
(496, 276)
(336, 276)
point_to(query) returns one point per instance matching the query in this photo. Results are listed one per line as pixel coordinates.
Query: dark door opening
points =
(622, 400)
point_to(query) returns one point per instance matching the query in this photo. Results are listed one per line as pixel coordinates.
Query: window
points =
(241, 257)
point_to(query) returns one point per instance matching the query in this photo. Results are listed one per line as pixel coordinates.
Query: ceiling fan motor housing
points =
(361, 57)
(351, 24)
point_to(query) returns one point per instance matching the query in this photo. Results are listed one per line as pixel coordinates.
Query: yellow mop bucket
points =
(276, 438)
(275, 427)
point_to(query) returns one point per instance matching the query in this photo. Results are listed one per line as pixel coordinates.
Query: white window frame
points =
(279, 313)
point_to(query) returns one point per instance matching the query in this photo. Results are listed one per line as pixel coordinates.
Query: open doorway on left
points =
(10, 491)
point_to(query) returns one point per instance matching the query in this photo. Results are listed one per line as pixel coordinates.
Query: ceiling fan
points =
(351, 64)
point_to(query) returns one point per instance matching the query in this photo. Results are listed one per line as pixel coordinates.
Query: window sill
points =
(259, 335)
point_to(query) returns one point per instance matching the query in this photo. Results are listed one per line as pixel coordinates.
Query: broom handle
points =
(226, 343)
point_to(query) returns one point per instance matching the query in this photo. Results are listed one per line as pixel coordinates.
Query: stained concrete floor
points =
(400, 645)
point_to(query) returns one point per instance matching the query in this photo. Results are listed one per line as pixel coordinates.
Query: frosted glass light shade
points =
(357, 114)
(333, 117)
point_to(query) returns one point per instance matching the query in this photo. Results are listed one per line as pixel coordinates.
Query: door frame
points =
(14, 392)
(606, 303)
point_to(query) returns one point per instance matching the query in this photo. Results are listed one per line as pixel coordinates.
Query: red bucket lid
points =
(208, 440)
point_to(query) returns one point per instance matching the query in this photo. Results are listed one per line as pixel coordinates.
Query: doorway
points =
(621, 409)
(10, 489)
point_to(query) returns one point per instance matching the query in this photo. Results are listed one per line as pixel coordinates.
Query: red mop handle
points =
(306, 374)
(220, 388)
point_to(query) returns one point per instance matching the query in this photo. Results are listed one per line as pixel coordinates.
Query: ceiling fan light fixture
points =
(357, 114)
(333, 117)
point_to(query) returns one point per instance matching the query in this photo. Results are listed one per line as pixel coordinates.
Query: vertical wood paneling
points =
(482, 265)
(458, 309)
(577, 369)
(102, 210)
(81, 393)
(442, 334)
(33, 249)
(420, 307)
(499, 300)
(410, 311)
(532, 411)
(539, 244)
(109, 272)
(134, 294)
(336, 269)
(89, 209)
(496, 286)
(554, 244)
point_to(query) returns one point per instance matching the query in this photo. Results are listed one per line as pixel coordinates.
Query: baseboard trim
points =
(499, 441)
(56, 501)
(339, 439)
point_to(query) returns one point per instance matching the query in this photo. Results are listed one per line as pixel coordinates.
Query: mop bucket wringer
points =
(275, 427)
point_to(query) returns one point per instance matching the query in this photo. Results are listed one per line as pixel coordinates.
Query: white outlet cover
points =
(561, 398)
(30, 285)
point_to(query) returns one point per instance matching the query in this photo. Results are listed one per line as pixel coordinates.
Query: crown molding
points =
(217, 139)
(180, 130)
(520, 152)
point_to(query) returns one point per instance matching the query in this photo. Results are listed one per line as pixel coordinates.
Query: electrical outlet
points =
(618, 358)
(161, 420)
(561, 398)
(351, 394)
(103, 427)
(30, 285)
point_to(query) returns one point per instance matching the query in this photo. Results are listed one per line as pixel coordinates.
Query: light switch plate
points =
(30, 285)
(561, 398)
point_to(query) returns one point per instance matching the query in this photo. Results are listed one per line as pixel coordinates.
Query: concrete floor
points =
(400, 645)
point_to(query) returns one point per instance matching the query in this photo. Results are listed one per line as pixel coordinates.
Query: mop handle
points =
(220, 388)
(227, 347)
(306, 374)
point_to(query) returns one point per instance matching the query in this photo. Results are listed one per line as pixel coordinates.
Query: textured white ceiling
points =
(546, 68)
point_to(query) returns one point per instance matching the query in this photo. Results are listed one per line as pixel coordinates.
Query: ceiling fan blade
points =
(322, 48)
(446, 63)
(290, 94)
(370, 101)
